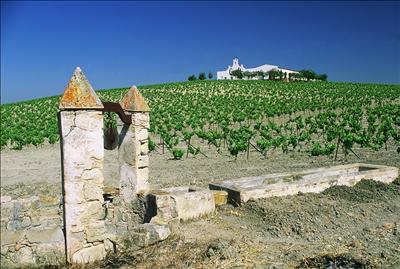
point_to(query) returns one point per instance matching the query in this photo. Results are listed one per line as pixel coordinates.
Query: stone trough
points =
(178, 203)
(312, 180)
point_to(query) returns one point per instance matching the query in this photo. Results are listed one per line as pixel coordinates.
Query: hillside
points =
(237, 115)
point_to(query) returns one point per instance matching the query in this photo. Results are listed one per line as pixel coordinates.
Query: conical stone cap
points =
(133, 101)
(79, 94)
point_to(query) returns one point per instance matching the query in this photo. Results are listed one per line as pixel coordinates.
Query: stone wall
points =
(83, 157)
(90, 220)
(125, 227)
(31, 231)
(32, 227)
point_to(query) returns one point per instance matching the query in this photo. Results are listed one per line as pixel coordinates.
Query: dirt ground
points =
(343, 227)
(42, 164)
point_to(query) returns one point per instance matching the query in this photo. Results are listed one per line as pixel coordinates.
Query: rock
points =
(94, 211)
(142, 180)
(90, 254)
(95, 231)
(150, 233)
(158, 221)
(92, 174)
(181, 203)
(25, 256)
(5, 199)
(7, 208)
(92, 191)
(27, 204)
(160, 231)
(141, 120)
(220, 197)
(143, 161)
(144, 148)
(133, 101)
(8, 237)
(79, 93)
(194, 204)
(49, 200)
(142, 134)
(109, 245)
(45, 235)
(53, 253)
(166, 207)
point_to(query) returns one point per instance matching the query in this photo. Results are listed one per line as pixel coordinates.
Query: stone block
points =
(50, 212)
(78, 236)
(92, 174)
(73, 192)
(7, 209)
(25, 256)
(9, 237)
(27, 204)
(128, 182)
(21, 223)
(89, 120)
(5, 199)
(3, 224)
(92, 212)
(95, 231)
(182, 204)
(142, 134)
(194, 204)
(141, 120)
(50, 254)
(166, 207)
(49, 200)
(45, 235)
(142, 180)
(156, 232)
(109, 245)
(310, 180)
(127, 152)
(145, 235)
(144, 148)
(133, 101)
(79, 94)
(92, 191)
(220, 197)
(89, 254)
(48, 221)
(143, 161)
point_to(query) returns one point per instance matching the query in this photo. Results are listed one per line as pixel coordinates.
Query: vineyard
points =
(239, 117)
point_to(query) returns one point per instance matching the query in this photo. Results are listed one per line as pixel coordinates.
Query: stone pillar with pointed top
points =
(82, 156)
(134, 147)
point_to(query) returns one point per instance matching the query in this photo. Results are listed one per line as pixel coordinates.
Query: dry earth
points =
(42, 164)
(343, 227)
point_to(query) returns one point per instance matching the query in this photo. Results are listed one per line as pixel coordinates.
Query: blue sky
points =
(118, 44)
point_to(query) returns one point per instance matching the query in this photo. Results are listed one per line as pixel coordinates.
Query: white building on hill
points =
(264, 68)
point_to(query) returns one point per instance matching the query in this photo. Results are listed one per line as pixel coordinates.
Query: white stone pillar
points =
(82, 170)
(133, 150)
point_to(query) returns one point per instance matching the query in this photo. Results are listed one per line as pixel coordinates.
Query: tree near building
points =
(202, 76)
(248, 74)
(237, 73)
(192, 78)
(322, 77)
(210, 75)
(275, 74)
(260, 74)
(308, 74)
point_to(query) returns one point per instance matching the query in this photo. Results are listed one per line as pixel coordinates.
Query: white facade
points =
(264, 68)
